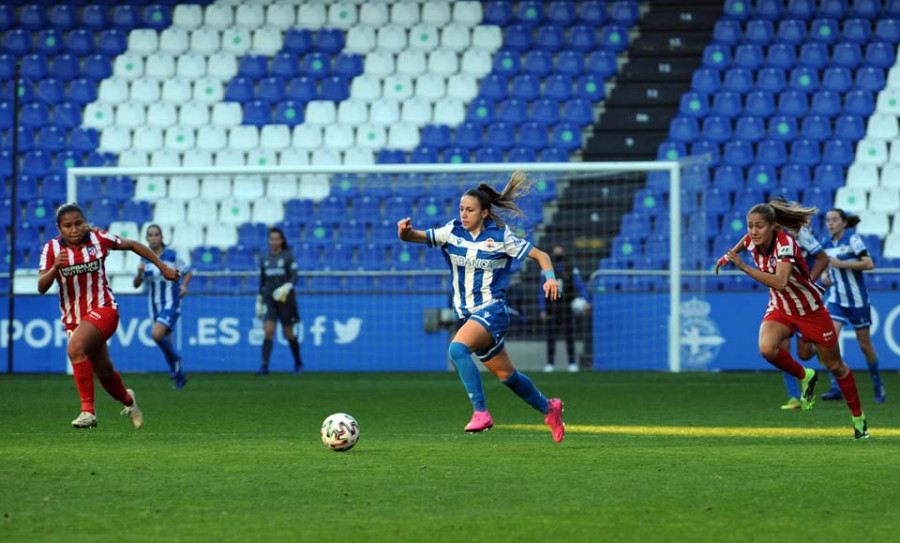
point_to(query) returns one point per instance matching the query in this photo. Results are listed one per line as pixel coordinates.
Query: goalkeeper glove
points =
(260, 307)
(280, 294)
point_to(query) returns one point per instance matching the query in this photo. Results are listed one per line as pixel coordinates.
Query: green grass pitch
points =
(648, 457)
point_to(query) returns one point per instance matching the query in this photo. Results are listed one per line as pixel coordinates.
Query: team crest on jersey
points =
(280, 262)
(773, 261)
(92, 251)
(489, 243)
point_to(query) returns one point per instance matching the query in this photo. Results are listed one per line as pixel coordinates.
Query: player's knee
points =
(157, 334)
(76, 351)
(768, 351)
(459, 351)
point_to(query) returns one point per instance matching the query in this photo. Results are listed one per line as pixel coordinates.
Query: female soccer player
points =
(276, 299)
(165, 300)
(75, 260)
(848, 300)
(795, 302)
(817, 261)
(479, 248)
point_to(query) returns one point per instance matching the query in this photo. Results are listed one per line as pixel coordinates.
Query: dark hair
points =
(851, 220)
(68, 207)
(790, 215)
(488, 198)
(284, 242)
(154, 225)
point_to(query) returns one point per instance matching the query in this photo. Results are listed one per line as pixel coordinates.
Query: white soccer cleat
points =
(573, 368)
(549, 368)
(85, 420)
(135, 415)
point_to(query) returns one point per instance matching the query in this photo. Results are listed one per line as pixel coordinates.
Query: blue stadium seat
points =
(769, 9)
(298, 41)
(257, 113)
(34, 66)
(118, 187)
(285, 65)
(319, 233)
(84, 139)
(481, 111)
(95, 17)
(554, 154)
(550, 38)
(648, 202)
(533, 135)
(694, 104)
(62, 17)
(112, 42)
(749, 56)
(707, 149)
(727, 104)
(27, 187)
(348, 65)
(537, 63)
(301, 89)
(826, 103)
(518, 37)
(791, 32)
(53, 188)
(816, 127)
(814, 55)
(838, 79)
(850, 127)
(748, 197)
(34, 115)
(671, 150)
(804, 79)
(824, 31)
(625, 12)
(880, 55)
(507, 63)
(468, 135)
(570, 63)
(207, 258)
(801, 9)
(525, 87)
(103, 212)
(760, 104)
(838, 152)
(366, 209)
(716, 57)
(857, 31)
(390, 156)
(32, 17)
(40, 212)
(728, 178)
(26, 136)
(436, 136)
(749, 128)
(870, 78)
(289, 112)
(334, 88)
(739, 80)
(498, 13)
(737, 9)
(49, 42)
(737, 153)
(819, 197)
(300, 212)
(727, 32)
(28, 237)
(384, 231)
(513, 111)
(352, 232)
(759, 32)
(792, 103)
(805, 152)
(7, 67)
(859, 102)
(17, 42)
(51, 139)
(867, 9)
(501, 135)
(424, 155)
(126, 17)
(582, 38)
(561, 13)
(96, 68)
(51, 91)
(888, 30)
(795, 176)
(592, 12)
(530, 12)
(139, 211)
(255, 67)
(892, 9)
(706, 80)
(771, 153)
(781, 56)
(157, 17)
(494, 87)
(522, 154)
(372, 256)
(614, 37)
(578, 111)
(847, 55)
(716, 128)
(240, 89)
(7, 17)
(762, 177)
(566, 136)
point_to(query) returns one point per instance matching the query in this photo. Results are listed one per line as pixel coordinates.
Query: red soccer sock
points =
(115, 388)
(785, 362)
(851, 395)
(84, 382)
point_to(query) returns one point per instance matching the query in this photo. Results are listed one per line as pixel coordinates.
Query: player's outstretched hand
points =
(404, 228)
(721, 263)
(170, 273)
(551, 289)
(260, 307)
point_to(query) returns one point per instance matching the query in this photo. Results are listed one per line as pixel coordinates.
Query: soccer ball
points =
(579, 305)
(340, 432)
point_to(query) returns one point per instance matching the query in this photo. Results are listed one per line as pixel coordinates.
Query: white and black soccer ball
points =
(579, 306)
(340, 432)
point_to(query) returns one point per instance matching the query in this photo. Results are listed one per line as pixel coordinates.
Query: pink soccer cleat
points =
(481, 421)
(554, 420)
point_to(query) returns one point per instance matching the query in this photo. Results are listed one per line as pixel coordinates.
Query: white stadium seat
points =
(113, 90)
(145, 90)
(356, 156)
(174, 40)
(193, 114)
(462, 86)
(165, 158)
(218, 16)
(191, 66)
(169, 212)
(353, 111)
(411, 63)
(228, 158)
(314, 187)
(243, 137)
(160, 66)
(147, 138)
(890, 175)
(339, 136)
(162, 114)
(262, 157)
(326, 157)
(449, 111)
(187, 16)
(275, 137)
(132, 158)
(99, 115)
(115, 139)
(891, 247)
(882, 126)
(467, 13)
(405, 14)
(392, 38)
(176, 91)
(221, 235)
(143, 41)
(281, 16)
(436, 13)
(267, 41)
(250, 16)
(131, 115)
(365, 87)
(320, 112)
(850, 199)
(236, 41)
(342, 15)
(188, 235)
(180, 137)
(476, 62)
(417, 111)
(870, 151)
(371, 136)
(397, 87)
(863, 176)
(293, 157)
(379, 63)
(374, 14)
(443, 62)
(487, 37)
(227, 114)
(307, 137)
(424, 37)
(199, 210)
(150, 188)
(196, 158)
(874, 222)
(184, 187)
(208, 90)
(455, 38)
(267, 210)
(889, 100)
(311, 16)
(205, 41)
(403, 136)
(885, 199)
(360, 39)
(215, 187)
(234, 211)
(212, 138)
(128, 66)
(248, 187)
(430, 86)
(384, 111)
(222, 65)
(281, 187)
(123, 229)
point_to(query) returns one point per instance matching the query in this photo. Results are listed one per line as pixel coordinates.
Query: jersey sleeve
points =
(808, 242)
(858, 246)
(515, 246)
(47, 257)
(291, 269)
(108, 241)
(437, 237)
(181, 265)
(785, 249)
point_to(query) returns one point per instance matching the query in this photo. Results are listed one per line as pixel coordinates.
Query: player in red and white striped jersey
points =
(795, 302)
(75, 261)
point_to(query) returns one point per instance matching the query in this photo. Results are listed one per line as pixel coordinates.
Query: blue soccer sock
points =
(169, 351)
(468, 374)
(791, 384)
(873, 371)
(519, 383)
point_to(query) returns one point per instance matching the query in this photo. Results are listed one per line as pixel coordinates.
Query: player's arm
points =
(406, 233)
(140, 249)
(723, 260)
(551, 287)
(777, 281)
(864, 263)
(819, 266)
(139, 277)
(46, 277)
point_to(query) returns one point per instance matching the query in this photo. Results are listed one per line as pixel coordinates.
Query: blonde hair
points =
(518, 186)
(789, 215)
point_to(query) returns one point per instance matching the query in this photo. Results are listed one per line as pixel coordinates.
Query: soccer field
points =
(647, 457)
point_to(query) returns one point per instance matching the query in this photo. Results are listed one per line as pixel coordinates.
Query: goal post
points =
(557, 214)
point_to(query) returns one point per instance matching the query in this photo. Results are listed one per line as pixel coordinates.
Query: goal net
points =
(371, 302)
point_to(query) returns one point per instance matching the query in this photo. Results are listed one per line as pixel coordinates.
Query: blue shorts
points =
(495, 319)
(167, 317)
(858, 317)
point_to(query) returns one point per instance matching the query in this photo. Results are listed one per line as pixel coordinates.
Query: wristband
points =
(550, 274)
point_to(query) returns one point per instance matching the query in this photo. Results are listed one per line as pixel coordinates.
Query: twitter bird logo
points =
(347, 332)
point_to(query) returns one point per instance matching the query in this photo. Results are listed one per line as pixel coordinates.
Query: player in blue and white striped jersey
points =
(480, 248)
(848, 299)
(164, 299)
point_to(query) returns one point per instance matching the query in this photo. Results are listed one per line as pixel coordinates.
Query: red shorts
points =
(106, 319)
(816, 327)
